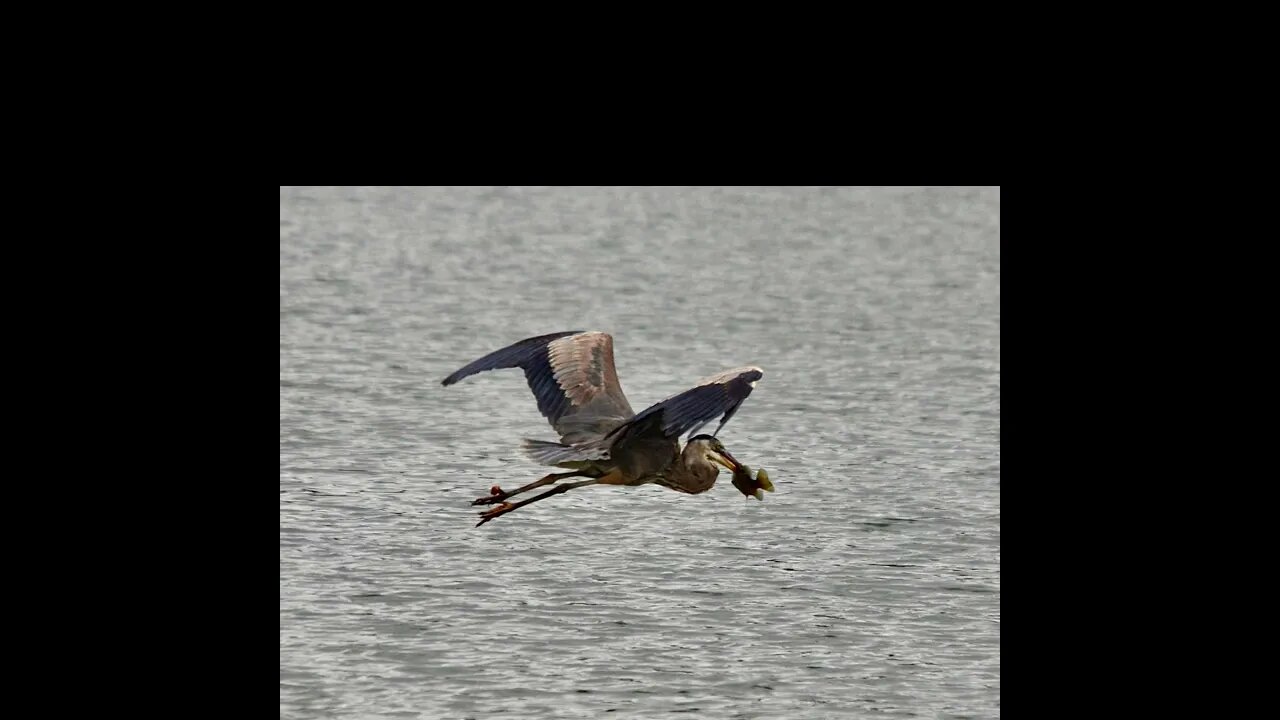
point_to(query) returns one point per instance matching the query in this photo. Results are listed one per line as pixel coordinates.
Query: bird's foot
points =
(496, 494)
(488, 515)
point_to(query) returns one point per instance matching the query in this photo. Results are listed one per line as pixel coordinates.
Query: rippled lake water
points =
(867, 585)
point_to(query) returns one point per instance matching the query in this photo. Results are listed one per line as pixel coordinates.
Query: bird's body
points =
(572, 376)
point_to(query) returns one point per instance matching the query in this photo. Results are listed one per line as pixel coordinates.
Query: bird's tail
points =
(554, 453)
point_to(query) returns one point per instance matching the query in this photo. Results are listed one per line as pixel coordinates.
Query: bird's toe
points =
(491, 514)
(496, 494)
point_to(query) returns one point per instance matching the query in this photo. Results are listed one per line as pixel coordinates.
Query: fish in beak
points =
(751, 486)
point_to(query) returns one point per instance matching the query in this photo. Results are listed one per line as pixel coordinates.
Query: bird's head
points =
(712, 449)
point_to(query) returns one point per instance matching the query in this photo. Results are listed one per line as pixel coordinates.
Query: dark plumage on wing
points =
(572, 377)
(688, 411)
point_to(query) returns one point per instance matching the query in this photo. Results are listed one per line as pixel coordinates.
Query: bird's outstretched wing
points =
(572, 376)
(686, 412)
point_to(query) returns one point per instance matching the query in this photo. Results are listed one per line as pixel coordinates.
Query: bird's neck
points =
(690, 457)
(693, 474)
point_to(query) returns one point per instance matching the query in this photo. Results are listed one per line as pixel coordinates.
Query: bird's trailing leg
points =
(505, 508)
(497, 494)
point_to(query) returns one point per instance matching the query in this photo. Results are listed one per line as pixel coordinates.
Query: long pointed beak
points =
(727, 460)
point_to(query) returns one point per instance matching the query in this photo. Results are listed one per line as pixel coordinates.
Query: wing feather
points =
(686, 412)
(572, 377)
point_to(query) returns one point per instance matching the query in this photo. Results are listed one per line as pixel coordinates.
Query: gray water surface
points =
(867, 585)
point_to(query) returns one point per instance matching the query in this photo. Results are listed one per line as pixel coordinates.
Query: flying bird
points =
(602, 439)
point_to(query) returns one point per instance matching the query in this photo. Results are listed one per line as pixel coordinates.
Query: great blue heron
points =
(601, 438)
